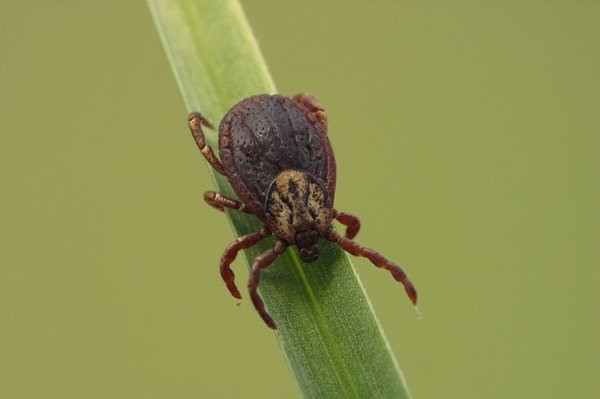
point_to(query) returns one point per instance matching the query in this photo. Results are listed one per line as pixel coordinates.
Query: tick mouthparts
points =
(310, 254)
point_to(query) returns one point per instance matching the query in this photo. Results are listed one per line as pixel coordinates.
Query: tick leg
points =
(310, 102)
(260, 263)
(377, 259)
(231, 252)
(195, 123)
(220, 202)
(351, 222)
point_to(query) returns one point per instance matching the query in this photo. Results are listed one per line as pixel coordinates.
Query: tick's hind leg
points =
(351, 222)
(260, 263)
(377, 259)
(310, 102)
(195, 123)
(220, 202)
(231, 252)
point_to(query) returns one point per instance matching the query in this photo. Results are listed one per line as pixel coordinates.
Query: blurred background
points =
(467, 139)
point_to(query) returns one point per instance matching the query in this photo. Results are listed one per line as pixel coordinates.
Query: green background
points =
(467, 139)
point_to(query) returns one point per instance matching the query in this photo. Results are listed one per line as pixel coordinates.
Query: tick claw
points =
(271, 324)
(279, 335)
(418, 312)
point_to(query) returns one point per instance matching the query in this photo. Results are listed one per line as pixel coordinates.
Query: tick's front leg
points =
(260, 263)
(231, 252)
(377, 259)
(351, 222)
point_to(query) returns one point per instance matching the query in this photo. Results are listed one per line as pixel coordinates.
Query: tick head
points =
(306, 241)
(299, 210)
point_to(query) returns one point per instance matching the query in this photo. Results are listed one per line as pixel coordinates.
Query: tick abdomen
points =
(265, 135)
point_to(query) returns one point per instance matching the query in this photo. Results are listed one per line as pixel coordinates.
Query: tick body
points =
(275, 152)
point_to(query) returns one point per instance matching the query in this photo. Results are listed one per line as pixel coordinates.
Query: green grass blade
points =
(329, 334)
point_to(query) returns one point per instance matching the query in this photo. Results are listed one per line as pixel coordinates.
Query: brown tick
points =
(275, 153)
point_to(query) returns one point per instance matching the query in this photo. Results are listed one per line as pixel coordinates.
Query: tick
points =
(275, 152)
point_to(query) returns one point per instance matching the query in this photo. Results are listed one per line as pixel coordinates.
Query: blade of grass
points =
(329, 334)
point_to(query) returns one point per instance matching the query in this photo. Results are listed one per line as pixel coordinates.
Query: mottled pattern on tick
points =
(298, 202)
(264, 135)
